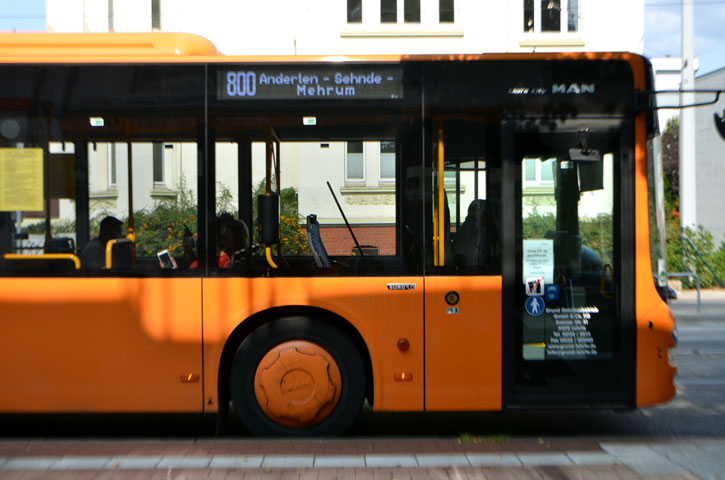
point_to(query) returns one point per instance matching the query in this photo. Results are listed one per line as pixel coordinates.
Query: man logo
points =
(572, 88)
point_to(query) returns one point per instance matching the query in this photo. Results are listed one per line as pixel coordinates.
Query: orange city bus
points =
(304, 234)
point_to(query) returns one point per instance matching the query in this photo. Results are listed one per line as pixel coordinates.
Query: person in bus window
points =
(469, 243)
(93, 255)
(233, 240)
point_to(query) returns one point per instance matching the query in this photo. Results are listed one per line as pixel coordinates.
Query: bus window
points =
(106, 144)
(471, 209)
(343, 170)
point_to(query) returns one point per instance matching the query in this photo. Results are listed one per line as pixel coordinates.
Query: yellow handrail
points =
(439, 234)
(45, 256)
(603, 281)
(268, 254)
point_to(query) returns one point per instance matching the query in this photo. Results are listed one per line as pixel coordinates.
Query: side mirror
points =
(720, 124)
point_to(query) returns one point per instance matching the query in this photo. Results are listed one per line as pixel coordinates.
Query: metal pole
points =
(688, 178)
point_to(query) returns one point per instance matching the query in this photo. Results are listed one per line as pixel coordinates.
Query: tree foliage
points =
(681, 256)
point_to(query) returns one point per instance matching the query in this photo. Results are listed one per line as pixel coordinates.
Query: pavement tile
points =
(133, 462)
(441, 460)
(591, 458)
(30, 463)
(175, 461)
(390, 461)
(544, 459)
(707, 462)
(81, 463)
(236, 461)
(288, 461)
(493, 459)
(642, 459)
(339, 461)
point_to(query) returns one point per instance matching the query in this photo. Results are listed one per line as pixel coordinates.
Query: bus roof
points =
(162, 47)
(41, 47)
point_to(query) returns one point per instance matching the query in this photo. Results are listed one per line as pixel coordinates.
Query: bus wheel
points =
(295, 376)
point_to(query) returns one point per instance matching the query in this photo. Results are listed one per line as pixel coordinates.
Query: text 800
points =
(241, 84)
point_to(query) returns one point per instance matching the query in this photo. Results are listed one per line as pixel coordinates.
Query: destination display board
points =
(315, 82)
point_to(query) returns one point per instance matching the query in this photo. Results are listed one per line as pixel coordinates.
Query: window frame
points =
(112, 166)
(381, 179)
(564, 14)
(538, 180)
(355, 180)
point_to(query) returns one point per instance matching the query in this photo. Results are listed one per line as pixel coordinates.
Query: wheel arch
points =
(250, 324)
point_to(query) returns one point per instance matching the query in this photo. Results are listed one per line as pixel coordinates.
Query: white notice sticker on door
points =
(539, 259)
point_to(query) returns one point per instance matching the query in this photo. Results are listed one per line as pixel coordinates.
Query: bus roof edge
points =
(34, 45)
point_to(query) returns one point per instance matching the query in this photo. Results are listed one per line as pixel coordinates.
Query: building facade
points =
(710, 157)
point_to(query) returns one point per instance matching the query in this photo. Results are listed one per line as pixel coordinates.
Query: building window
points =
(354, 11)
(112, 178)
(573, 15)
(539, 172)
(412, 11)
(354, 162)
(542, 16)
(389, 11)
(387, 161)
(446, 12)
(162, 154)
(156, 14)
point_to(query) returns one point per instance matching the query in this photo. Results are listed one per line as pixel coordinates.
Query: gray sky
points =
(663, 24)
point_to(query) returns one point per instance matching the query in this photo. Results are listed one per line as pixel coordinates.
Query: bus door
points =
(567, 337)
(463, 286)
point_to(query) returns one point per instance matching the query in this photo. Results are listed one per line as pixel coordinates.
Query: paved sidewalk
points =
(370, 458)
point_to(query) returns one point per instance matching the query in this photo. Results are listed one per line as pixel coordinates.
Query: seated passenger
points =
(93, 255)
(469, 243)
(233, 239)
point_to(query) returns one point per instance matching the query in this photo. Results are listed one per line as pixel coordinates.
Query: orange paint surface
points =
(654, 374)
(100, 345)
(463, 349)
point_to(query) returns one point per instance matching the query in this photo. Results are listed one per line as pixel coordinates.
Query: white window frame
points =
(355, 180)
(538, 180)
(564, 20)
(382, 179)
(455, 13)
(112, 166)
(167, 152)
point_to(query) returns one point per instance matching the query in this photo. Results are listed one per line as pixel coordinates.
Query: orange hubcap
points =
(297, 384)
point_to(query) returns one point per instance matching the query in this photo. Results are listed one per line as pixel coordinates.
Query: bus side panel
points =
(382, 310)
(655, 324)
(100, 345)
(463, 344)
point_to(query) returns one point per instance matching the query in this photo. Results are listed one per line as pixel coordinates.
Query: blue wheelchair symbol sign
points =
(552, 293)
(534, 306)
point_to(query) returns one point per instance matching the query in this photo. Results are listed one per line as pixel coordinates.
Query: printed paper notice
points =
(21, 179)
(539, 259)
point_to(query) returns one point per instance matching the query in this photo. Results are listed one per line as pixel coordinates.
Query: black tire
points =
(249, 355)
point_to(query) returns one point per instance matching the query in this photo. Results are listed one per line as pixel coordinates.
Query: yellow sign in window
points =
(21, 179)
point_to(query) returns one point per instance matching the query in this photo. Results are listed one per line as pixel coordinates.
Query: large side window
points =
(108, 178)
